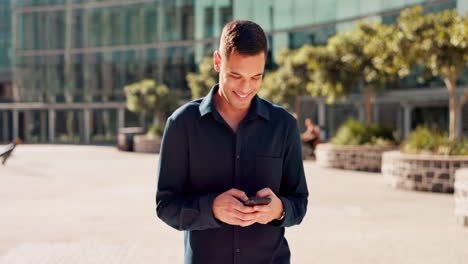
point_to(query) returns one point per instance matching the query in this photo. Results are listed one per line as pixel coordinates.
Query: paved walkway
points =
(87, 204)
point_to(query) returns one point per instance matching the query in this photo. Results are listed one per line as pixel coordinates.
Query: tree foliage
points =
(439, 42)
(200, 83)
(288, 83)
(359, 57)
(155, 101)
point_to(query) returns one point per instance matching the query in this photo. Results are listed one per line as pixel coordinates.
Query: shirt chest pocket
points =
(268, 172)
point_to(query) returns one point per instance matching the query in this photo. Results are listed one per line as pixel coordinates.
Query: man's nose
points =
(245, 86)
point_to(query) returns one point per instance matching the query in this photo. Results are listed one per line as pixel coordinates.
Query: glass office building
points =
(70, 59)
(5, 51)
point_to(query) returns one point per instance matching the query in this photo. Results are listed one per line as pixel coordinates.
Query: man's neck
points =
(230, 114)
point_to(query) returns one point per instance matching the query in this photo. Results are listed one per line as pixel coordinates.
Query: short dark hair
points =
(244, 37)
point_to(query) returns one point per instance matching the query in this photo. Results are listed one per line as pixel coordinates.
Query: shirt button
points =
(237, 157)
(237, 250)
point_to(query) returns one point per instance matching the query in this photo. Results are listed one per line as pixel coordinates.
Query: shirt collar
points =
(257, 107)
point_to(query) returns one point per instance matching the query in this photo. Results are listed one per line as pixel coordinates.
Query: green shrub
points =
(155, 130)
(352, 132)
(433, 141)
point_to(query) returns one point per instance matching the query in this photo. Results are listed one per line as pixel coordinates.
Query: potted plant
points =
(356, 147)
(427, 161)
(439, 43)
(156, 102)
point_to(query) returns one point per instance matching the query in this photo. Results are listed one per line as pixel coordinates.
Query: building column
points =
(407, 120)
(51, 125)
(217, 27)
(361, 113)
(27, 125)
(120, 118)
(375, 113)
(460, 123)
(331, 121)
(5, 126)
(178, 20)
(161, 28)
(198, 19)
(86, 125)
(321, 119)
(15, 124)
(43, 126)
(399, 122)
(142, 119)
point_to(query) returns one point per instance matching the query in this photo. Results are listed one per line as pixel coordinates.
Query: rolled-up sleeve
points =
(174, 203)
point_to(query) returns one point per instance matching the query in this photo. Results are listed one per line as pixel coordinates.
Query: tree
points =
(288, 83)
(332, 76)
(358, 57)
(155, 101)
(201, 83)
(439, 42)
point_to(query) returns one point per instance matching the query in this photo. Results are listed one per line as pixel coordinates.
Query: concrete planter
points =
(125, 137)
(142, 143)
(365, 158)
(461, 196)
(421, 172)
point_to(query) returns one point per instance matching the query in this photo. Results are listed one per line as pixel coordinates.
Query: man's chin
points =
(242, 106)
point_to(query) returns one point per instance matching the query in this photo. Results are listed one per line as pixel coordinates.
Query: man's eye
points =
(235, 76)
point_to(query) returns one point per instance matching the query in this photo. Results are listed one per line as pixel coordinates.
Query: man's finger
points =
(239, 206)
(262, 208)
(238, 194)
(244, 209)
(247, 223)
(265, 192)
(242, 216)
(240, 222)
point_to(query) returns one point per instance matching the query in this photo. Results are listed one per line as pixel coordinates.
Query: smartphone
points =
(252, 201)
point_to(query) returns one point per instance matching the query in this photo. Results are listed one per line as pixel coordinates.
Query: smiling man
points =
(226, 147)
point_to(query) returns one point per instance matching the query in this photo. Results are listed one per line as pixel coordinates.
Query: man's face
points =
(240, 77)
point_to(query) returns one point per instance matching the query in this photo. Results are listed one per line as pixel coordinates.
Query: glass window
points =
(209, 23)
(150, 22)
(78, 29)
(324, 10)
(225, 15)
(440, 7)
(392, 4)
(302, 12)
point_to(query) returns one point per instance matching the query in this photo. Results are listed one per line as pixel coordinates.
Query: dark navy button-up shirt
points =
(202, 157)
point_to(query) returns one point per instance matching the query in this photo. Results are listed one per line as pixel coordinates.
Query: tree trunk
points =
(453, 107)
(297, 107)
(368, 104)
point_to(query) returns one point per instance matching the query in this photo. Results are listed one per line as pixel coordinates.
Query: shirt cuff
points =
(206, 211)
(287, 212)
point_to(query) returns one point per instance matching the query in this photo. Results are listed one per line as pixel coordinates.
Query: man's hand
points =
(228, 208)
(270, 212)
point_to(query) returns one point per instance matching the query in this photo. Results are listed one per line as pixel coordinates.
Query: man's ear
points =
(217, 61)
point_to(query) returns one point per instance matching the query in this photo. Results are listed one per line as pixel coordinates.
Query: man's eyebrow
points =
(258, 74)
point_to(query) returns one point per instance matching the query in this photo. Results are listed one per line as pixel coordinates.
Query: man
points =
(230, 145)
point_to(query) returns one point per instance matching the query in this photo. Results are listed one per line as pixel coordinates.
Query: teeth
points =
(243, 96)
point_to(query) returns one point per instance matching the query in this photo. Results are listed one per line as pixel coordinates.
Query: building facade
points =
(64, 63)
(6, 90)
